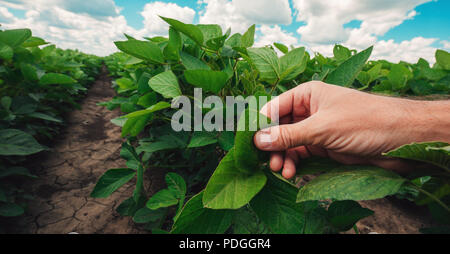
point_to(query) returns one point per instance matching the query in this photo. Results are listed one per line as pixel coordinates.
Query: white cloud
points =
(271, 34)
(408, 50)
(446, 44)
(76, 29)
(154, 25)
(240, 14)
(5, 15)
(325, 19)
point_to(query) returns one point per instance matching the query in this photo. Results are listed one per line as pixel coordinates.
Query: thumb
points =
(283, 137)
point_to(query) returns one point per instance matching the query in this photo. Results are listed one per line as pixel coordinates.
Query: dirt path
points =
(88, 145)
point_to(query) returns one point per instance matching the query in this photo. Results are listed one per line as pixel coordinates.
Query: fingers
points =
(289, 167)
(283, 137)
(276, 161)
(295, 101)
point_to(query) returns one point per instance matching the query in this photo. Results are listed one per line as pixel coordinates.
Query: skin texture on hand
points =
(347, 125)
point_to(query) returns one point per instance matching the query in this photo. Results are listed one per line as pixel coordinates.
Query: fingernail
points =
(263, 139)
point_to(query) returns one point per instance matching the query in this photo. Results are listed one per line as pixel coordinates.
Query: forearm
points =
(427, 120)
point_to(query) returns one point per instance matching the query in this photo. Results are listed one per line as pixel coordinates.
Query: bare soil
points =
(90, 144)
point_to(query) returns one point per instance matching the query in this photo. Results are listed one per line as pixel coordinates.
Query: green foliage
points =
(238, 194)
(38, 84)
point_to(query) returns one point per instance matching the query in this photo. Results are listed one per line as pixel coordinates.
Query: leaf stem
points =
(433, 197)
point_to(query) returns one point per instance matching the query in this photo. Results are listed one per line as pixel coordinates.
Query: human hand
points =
(347, 125)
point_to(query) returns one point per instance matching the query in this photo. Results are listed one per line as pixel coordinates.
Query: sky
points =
(399, 29)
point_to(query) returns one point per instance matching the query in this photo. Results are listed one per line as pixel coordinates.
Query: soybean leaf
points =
(151, 147)
(226, 140)
(34, 42)
(129, 207)
(172, 50)
(157, 107)
(292, 64)
(166, 84)
(276, 206)
(145, 215)
(15, 37)
(29, 72)
(56, 78)
(212, 81)
(10, 210)
(189, 30)
(45, 117)
(163, 198)
(135, 125)
(174, 194)
(422, 152)
(345, 74)
(228, 188)
(202, 138)
(283, 48)
(193, 63)
(6, 52)
(438, 187)
(398, 76)
(344, 214)
(145, 50)
(111, 180)
(443, 59)
(248, 38)
(210, 31)
(17, 142)
(356, 183)
(195, 219)
(266, 62)
(246, 154)
(341, 53)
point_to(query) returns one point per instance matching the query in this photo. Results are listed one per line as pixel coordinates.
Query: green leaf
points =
(135, 125)
(15, 37)
(283, 48)
(6, 52)
(172, 50)
(210, 31)
(189, 30)
(398, 76)
(266, 62)
(34, 42)
(345, 74)
(341, 53)
(438, 187)
(212, 81)
(129, 207)
(226, 140)
(148, 99)
(276, 206)
(151, 147)
(356, 183)
(422, 152)
(195, 219)
(248, 38)
(202, 138)
(166, 84)
(17, 142)
(163, 198)
(145, 50)
(193, 63)
(45, 117)
(292, 64)
(157, 107)
(443, 59)
(29, 72)
(145, 215)
(125, 84)
(344, 214)
(246, 155)
(112, 180)
(56, 79)
(228, 188)
(10, 210)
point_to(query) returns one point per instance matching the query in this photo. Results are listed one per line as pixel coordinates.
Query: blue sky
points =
(399, 30)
